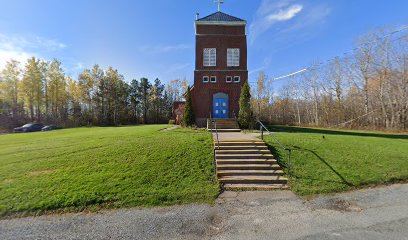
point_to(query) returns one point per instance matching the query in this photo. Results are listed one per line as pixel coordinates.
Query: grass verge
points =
(90, 168)
(325, 161)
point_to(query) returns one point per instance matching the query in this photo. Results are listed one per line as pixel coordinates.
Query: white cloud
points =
(49, 44)
(20, 48)
(286, 15)
(271, 12)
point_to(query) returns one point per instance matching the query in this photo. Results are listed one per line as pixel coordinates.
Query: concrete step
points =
(269, 172)
(222, 120)
(247, 165)
(223, 125)
(246, 161)
(226, 127)
(219, 129)
(225, 130)
(254, 186)
(242, 156)
(242, 151)
(237, 147)
(253, 179)
(229, 126)
(245, 144)
(255, 166)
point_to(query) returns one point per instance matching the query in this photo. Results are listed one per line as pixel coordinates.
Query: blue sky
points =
(156, 38)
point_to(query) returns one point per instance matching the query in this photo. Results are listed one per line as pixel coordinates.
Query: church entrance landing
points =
(220, 105)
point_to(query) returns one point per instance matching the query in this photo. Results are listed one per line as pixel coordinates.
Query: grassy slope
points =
(81, 168)
(342, 160)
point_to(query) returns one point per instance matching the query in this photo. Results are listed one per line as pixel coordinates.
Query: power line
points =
(404, 27)
(291, 74)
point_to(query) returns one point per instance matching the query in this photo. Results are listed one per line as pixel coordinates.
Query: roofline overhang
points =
(221, 23)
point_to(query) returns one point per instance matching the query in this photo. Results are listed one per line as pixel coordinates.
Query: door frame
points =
(224, 96)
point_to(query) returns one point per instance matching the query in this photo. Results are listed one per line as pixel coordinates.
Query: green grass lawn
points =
(326, 161)
(90, 168)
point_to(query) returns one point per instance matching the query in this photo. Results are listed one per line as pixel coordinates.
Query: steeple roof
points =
(220, 17)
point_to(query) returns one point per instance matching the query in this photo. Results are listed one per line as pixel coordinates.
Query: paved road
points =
(380, 213)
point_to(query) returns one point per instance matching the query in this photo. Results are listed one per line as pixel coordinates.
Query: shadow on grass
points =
(327, 164)
(283, 161)
(290, 129)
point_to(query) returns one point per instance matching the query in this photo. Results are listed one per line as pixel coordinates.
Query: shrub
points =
(245, 118)
(188, 111)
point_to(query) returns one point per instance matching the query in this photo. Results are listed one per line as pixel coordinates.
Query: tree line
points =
(365, 89)
(40, 91)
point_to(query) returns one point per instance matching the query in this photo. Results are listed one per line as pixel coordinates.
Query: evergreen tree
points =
(144, 90)
(188, 111)
(245, 113)
(134, 100)
(156, 99)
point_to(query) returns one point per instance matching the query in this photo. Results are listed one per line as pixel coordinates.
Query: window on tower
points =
(210, 57)
(228, 79)
(233, 57)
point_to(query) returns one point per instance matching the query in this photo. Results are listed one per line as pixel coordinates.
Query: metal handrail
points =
(235, 115)
(210, 119)
(261, 127)
(216, 133)
(214, 124)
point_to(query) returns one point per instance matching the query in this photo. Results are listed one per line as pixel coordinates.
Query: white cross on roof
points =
(219, 2)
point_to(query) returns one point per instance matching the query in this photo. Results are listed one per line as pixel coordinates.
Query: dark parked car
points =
(50, 128)
(30, 127)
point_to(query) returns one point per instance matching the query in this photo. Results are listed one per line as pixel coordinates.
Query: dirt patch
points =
(8, 181)
(170, 128)
(343, 205)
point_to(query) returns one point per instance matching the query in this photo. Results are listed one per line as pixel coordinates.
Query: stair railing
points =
(210, 120)
(262, 128)
(235, 115)
(214, 127)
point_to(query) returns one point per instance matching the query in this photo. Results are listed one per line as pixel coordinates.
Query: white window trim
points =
(231, 79)
(206, 77)
(233, 57)
(239, 79)
(210, 60)
(215, 77)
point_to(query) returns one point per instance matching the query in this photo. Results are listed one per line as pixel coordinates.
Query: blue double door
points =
(220, 105)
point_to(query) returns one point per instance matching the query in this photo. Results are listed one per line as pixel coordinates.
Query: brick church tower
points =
(220, 66)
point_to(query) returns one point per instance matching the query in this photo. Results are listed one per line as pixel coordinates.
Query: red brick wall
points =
(221, 38)
(213, 29)
(221, 43)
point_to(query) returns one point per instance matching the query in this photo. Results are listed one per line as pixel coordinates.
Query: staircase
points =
(223, 125)
(247, 165)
